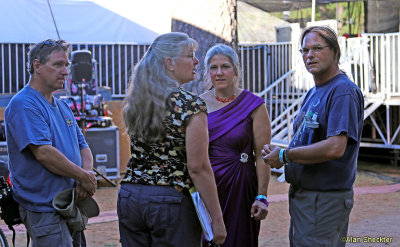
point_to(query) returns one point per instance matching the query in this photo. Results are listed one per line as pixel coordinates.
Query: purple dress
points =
(233, 162)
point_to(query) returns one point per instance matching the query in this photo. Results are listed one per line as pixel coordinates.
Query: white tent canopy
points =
(77, 21)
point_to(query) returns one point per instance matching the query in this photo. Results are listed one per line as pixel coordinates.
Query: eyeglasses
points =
(314, 49)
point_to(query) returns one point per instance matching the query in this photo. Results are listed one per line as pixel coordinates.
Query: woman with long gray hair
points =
(169, 151)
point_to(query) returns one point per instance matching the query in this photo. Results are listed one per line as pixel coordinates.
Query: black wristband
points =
(286, 156)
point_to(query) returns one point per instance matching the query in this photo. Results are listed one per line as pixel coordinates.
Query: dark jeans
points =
(156, 216)
(318, 218)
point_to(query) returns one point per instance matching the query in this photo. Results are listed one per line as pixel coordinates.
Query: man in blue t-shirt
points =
(47, 151)
(321, 160)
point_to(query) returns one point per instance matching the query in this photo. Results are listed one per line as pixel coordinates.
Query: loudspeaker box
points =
(104, 143)
(81, 66)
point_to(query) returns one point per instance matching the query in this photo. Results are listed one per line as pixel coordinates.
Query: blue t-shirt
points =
(31, 119)
(339, 104)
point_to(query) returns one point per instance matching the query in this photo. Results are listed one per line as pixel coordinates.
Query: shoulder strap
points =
(28, 238)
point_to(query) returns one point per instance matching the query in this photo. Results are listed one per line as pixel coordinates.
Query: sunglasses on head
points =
(51, 43)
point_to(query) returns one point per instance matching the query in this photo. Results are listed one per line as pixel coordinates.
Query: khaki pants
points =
(49, 229)
(319, 219)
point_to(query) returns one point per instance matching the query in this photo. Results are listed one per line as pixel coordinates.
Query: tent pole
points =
(349, 17)
(313, 11)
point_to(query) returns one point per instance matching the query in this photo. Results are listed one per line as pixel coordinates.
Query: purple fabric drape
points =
(232, 159)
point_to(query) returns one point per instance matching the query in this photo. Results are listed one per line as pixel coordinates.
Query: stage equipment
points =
(104, 144)
(81, 66)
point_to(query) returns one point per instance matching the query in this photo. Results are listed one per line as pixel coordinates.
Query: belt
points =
(294, 188)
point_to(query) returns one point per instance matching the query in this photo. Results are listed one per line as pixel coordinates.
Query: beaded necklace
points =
(224, 100)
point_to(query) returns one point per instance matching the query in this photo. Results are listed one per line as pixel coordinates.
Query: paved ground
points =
(375, 215)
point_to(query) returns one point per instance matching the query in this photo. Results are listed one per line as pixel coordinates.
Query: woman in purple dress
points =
(239, 127)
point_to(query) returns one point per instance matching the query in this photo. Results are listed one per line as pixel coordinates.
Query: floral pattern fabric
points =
(164, 162)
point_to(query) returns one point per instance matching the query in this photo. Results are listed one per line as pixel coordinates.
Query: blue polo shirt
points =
(339, 104)
(31, 119)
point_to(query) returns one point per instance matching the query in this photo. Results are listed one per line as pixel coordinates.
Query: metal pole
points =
(313, 11)
(349, 17)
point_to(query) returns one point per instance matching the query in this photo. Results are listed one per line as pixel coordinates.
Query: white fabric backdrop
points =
(29, 21)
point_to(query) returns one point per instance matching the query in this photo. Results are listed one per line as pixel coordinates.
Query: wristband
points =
(262, 199)
(286, 156)
(281, 156)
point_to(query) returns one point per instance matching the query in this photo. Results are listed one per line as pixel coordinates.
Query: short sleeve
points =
(28, 126)
(344, 115)
(184, 105)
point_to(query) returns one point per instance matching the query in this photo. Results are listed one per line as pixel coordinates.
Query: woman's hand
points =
(259, 210)
(219, 232)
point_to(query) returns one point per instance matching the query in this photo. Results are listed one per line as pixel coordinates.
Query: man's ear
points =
(36, 65)
(169, 64)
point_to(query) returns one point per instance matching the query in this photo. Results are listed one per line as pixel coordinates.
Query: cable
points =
(55, 24)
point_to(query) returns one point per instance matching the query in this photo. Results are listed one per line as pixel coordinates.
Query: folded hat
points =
(64, 203)
(89, 207)
(76, 214)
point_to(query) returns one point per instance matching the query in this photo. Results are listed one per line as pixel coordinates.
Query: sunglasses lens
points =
(49, 43)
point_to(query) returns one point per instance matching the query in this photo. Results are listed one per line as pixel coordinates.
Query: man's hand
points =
(270, 155)
(259, 210)
(88, 182)
(81, 193)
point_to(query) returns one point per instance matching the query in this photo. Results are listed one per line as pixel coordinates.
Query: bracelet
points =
(262, 199)
(286, 156)
(281, 156)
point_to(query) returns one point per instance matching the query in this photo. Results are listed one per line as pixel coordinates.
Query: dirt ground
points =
(374, 215)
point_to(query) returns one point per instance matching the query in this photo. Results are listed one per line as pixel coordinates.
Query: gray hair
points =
(146, 102)
(42, 50)
(227, 51)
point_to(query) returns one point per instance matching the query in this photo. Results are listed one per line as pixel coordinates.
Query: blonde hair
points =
(145, 104)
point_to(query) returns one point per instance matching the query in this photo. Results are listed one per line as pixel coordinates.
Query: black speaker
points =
(2, 131)
(81, 66)
(104, 144)
(3, 159)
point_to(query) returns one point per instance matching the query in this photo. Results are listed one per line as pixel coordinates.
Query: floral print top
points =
(164, 162)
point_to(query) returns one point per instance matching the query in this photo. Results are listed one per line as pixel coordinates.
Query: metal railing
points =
(283, 99)
(375, 70)
(384, 51)
(284, 96)
(115, 63)
(262, 64)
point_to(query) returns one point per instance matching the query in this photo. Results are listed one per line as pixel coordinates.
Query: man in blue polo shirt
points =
(321, 160)
(47, 151)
